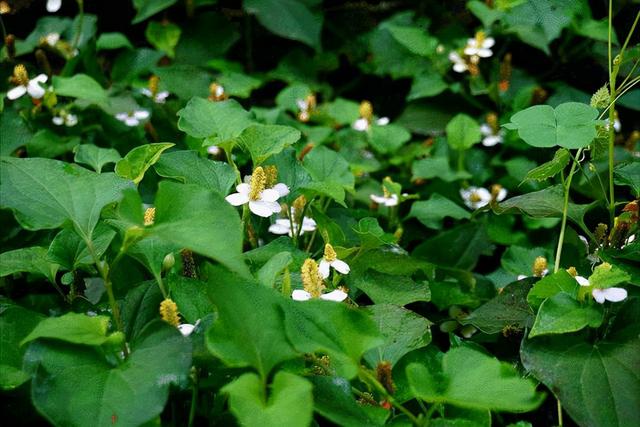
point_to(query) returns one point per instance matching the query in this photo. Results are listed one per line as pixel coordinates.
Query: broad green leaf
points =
(270, 271)
(431, 212)
(163, 36)
(30, 260)
(519, 260)
(110, 41)
(263, 141)
(239, 84)
(436, 167)
(80, 86)
(183, 80)
(330, 173)
(484, 13)
(547, 287)
(463, 132)
(289, 403)
(191, 217)
(96, 157)
(132, 63)
(137, 161)
(402, 330)
(15, 324)
(46, 193)
(371, 235)
(415, 39)
(139, 307)
(391, 288)
(389, 138)
(561, 313)
(596, 380)
(426, 85)
(14, 132)
(46, 143)
(333, 399)
(148, 8)
(570, 125)
(225, 120)
(70, 251)
(605, 276)
(508, 309)
(628, 174)
(189, 168)
(131, 393)
(191, 297)
(551, 168)
(151, 252)
(290, 19)
(74, 328)
(471, 379)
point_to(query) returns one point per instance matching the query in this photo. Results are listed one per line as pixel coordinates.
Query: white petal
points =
(269, 195)
(336, 296)
(16, 92)
(486, 130)
(378, 199)
(146, 92)
(122, 116)
(484, 53)
(186, 329)
(53, 5)
(71, 120)
(282, 189)
(213, 150)
(40, 78)
(263, 208)
(521, 276)
(582, 281)
(308, 224)
(491, 140)
(279, 229)
(598, 295)
(382, 121)
(161, 96)
(470, 50)
(323, 268)
(300, 295)
(141, 114)
(243, 188)
(501, 195)
(57, 120)
(302, 104)
(341, 266)
(52, 39)
(392, 201)
(488, 42)
(131, 121)
(237, 199)
(361, 124)
(614, 294)
(35, 90)
(460, 67)
(454, 57)
(219, 91)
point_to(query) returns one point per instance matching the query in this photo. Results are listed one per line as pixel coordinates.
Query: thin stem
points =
(229, 157)
(76, 39)
(383, 391)
(612, 97)
(566, 187)
(559, 413)
(194, 397)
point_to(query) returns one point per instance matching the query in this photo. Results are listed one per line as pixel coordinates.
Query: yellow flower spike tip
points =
(329, 253)
(4, 8)
(311, 102)
(311, 280)
(169, 312)
(149, 216)
(20, 75)
(492, 121)
(540, 267)
(258, 183)
(480, 37)
(154, 82)
(271, 174)
(572, 271)
(298, 208)
(366, 110)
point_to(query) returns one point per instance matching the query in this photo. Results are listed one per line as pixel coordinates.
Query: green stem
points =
(76, 39)
(194, 397)
(229, 157)
(559, 413)
(372, 380)
(566, 187)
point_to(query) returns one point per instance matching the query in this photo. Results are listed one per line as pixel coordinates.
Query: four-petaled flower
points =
(283, 226)
(314, 287)
(64, 118)
(262, 200)
(478, 197)
(157, 97)
(330, 260)
(133, 118)
(366, 118)
(480, 45)
(24, 85)
(603, 294)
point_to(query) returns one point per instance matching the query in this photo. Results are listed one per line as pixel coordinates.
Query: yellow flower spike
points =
(540, 266)
(271, 174)
(492, 120)
(366, 110)
(154, 82)
(329, 253)
(4, 8)
(480, 37)
(311, 102)
(149, 216)
(258, 183)
(20, 75)
(572, 271)
(169, 312)
(311, 280)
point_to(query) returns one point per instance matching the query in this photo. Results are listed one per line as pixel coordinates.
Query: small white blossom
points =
(53, 5)
(66, 119)
(186, 328)
(606, 294)
(491, 137)
(158, 97)
(475, 197)
(283, 226)
(479, 46)
(330, 260)
(262, 201)
(133, 118)
(363, 124)
(336, 295)
(392, 200)
(52, 39)
(33, 88)
(459, 64)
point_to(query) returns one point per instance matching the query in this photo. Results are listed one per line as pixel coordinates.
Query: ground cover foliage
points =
(306, 212)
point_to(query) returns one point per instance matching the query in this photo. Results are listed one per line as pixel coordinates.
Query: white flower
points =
(361, 124)
(66, 119)
(491, 137)
(459, 64)
(186, 328)
(382, 121)
(392, 200)
(32, 87)
(214, 150)
(158, 97)
(606, 294)
(337, 295)
(475, 197)
(133, 118)
(479, 46)
(53, 5)
(283, 226)
(52, 39)
(262, 201)
(330, 260)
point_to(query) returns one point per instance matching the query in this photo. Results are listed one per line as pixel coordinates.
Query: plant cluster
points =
(297, 212)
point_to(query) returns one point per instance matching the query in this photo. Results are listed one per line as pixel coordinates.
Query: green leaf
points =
(111, 41)
(402, 330)
(191, 217)
(189, 168)
(551, 168)
(30, 260)
(470, 379)
(269, 272)
(263, 141)
(596, 381)
(148, 8)
(163, 36)
(15, 324)
(431, 212)
(14, 132)
(437, 167)
(290, 19)
(463, 132)
(628, 174)
(46, 143)
(72, 327)
(159, 357)
(140, 307)
(330, 173)
(570, 125)
(289, 404)
(183, 80)
(561, 314)
(605, 276)
(239, 84)
(96, 157)
(45, 193)
(80, 86)
(414, 39)
(519, 260)
(391, 288)
(389, 138)
(137, 161)
(426, 85)
(224, 120)
(70, 251)
(547, 287)
(484, 13)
